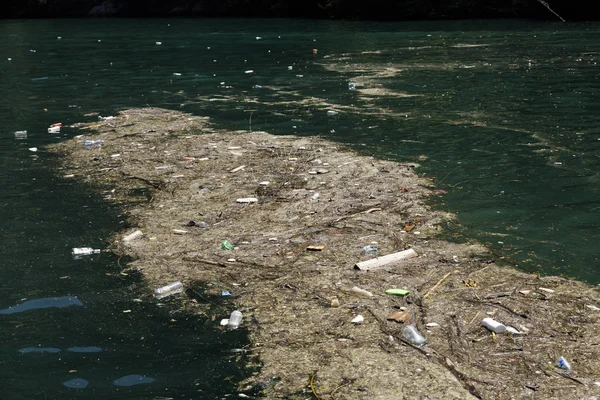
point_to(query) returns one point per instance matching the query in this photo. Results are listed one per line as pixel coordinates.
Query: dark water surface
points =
(504, 115)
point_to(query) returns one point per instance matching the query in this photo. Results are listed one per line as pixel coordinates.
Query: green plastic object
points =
(226, 245)
(397, 292)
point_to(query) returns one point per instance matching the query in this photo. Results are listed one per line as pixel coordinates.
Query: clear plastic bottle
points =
(173, 288)
(235, 319)
(84, 251)
(411, 334)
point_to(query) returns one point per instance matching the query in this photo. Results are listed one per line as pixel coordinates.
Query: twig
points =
(312, 385)
(250, 121)
(370, 210)
(156, 185)
(436, 285)
(551, 10)
(568, 376)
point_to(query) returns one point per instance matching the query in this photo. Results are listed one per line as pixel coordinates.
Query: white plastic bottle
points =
(235, 319)
(173, 288)
(493, 325)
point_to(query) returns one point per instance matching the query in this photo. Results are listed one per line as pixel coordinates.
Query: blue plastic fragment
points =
(89, 349)
(76, 383)
(48, 302)
(39, 350)
(225, 293)
(132, 380)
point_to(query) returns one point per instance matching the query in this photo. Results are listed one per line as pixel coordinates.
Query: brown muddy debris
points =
(315, 207)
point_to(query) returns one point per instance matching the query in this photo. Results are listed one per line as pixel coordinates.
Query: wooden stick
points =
(436, 285)
(370, 210)
(380, 262)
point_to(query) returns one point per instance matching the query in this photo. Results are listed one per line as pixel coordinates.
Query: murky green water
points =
(503, 115)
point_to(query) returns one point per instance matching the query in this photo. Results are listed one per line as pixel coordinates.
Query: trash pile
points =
(348, 294)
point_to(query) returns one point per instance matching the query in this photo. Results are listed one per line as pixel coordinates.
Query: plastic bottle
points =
(132, 236)
(493, 325)
(563, 363)
(173, 288)
(84, 251)
(93, 144)
(235, 319)
(411, 334)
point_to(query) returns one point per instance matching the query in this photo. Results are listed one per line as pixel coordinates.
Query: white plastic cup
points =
(493, 325)
(235, 319)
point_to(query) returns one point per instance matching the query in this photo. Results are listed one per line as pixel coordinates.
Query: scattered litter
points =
(383, 261)
(179, 231)
(264, 183)
(335, 302)
(591, 307)
(225, 322)
(173, 288)
(235, 319)
(231, 260)
(80, 251)
(411, 333)
(250, 71)
(332, 113)
(432, 325)
(115, 155)
(109, 118)
(524, 292)
(34, 149)
(493, 325)
(315, 196)
(158, 43)
(368, 249)
(54, 129)
(225, 293)
(132, 236)
(397, 292)
(351, 86)
(361, 292)
(247, 200)
(359, 319)
(225, 245)
(399, 316)
(563, 363)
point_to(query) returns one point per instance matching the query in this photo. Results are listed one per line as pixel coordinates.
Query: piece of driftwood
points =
(383, 261)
